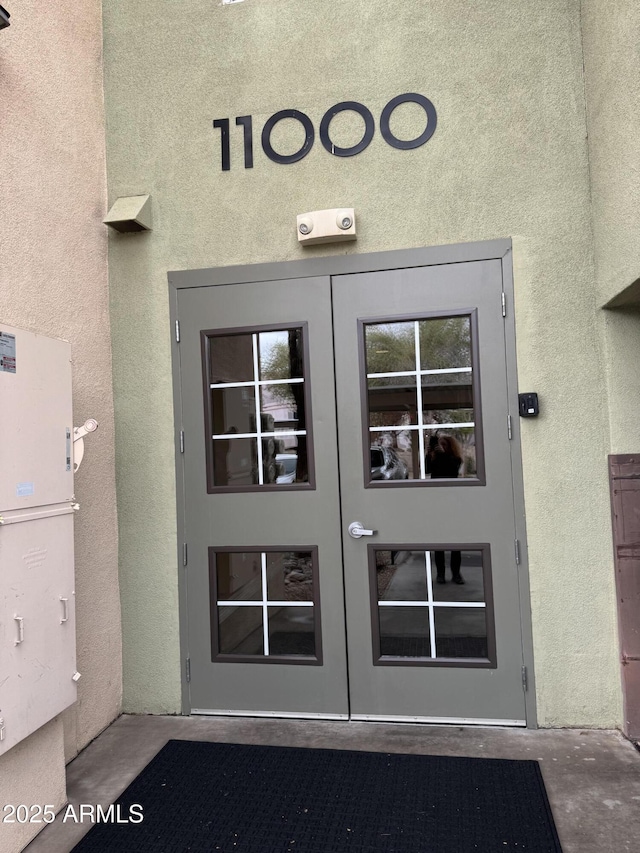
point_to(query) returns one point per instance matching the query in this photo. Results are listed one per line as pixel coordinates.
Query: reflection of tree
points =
(444, 343)
(283, 361)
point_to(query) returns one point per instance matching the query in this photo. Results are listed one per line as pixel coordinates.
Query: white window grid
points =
(265, 603)
(256, 384)
(421, 426)
(431, 603)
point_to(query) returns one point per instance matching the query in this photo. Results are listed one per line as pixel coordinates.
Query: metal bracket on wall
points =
(90, 425)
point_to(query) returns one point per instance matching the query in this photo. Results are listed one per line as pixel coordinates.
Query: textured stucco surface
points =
(611, 33)
(53, 280)
(509, 158)
(30, 773)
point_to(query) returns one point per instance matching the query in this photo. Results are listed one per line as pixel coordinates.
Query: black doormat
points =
(208, 797)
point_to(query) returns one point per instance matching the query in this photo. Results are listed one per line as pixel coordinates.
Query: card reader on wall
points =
(528, 405)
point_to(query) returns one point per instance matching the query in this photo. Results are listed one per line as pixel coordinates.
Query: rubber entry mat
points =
(206, 797)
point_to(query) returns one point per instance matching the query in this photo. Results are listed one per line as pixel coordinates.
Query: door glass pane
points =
(447, 564)
(240, 630)
(445, 343)
(230, 358)
(289, 576)
(239, 577)
(280, 354)
(401, 576)
(390, 347)
(235, 461)
(434, 604)
(256, 410)
(249, 587)
(404, 632)
(234, 411)
(420, 399)
(461, 632)
(291, 631)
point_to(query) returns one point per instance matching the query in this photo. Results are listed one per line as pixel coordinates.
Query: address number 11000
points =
(246, 122)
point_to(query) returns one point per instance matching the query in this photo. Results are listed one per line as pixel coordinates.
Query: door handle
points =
(357, 531)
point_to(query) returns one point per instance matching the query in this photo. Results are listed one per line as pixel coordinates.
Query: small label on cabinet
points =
(7, 352)
(24, 490)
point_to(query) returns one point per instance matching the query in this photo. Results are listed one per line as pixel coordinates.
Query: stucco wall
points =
(612, 78)
(30, 773)
(611, 34)
(509, 158)
(53, 280)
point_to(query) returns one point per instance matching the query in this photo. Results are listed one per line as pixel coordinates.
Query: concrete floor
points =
(592, 777)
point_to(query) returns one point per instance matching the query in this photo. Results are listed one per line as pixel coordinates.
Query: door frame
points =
(328, 266)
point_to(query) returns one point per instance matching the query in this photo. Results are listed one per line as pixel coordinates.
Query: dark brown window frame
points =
(490, 662)
(480, 478)
(205, 336)
(291, 660)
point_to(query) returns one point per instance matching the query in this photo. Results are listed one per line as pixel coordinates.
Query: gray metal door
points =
(432, 596)
(413, 615)
(264, 584)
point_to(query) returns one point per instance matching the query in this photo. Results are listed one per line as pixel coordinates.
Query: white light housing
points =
(327, 226)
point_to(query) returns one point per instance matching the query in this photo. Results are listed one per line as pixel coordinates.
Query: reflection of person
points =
(444, 459)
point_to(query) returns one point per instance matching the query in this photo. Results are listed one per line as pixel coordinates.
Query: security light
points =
(4, 18)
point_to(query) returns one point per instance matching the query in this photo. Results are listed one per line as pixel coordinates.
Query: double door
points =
(348, 497)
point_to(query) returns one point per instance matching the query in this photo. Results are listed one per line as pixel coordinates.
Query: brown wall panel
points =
(624, 473)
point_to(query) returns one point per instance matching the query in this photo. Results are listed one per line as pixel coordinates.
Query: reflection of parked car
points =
(385, 464)
(286, 464)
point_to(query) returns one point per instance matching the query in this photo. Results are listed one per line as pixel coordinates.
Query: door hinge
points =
(504, 304)
(177, 331)
(182, 441)
(525, 680)
(187, 668)
(509, 427)
(517, 544)
(184, 553)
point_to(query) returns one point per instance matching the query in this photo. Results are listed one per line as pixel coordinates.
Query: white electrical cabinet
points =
(37, 607)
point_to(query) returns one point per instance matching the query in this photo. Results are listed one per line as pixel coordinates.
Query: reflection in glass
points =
(450, 584)
(284, 460)
(238, 576)
(390, 347)
(291, 631)
(395, 455)
(436, 353)
(404, 632)
(461, 632)
(278, 411)
(471, 571)
(401, 575)
(289, 576)
(240, 630)
(248, 583)
(235, 461)
(445, 343)
(283, 406)
(233, 410)
(280, 354)
(230, 358)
